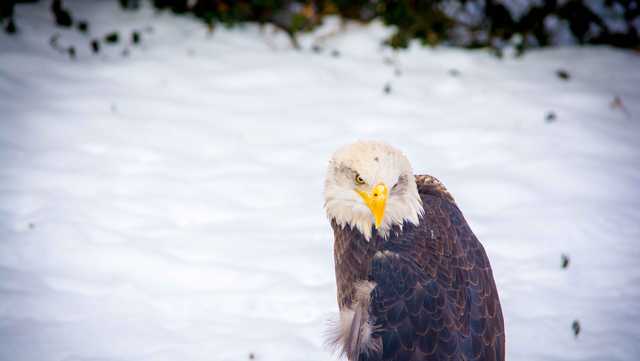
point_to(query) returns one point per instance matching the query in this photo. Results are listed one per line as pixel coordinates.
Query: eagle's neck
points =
(353, 254)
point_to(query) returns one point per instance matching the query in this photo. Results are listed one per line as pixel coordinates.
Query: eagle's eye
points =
(359, 180)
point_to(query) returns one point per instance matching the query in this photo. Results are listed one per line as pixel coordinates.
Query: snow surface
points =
(167, 205)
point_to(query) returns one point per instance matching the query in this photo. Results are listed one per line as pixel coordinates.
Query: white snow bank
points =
(167, 205)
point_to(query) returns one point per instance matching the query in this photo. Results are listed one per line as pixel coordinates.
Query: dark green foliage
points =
(62, 15)
(473, 24)
(6, 9)
(129, 4)
(10, 28)
(135, 37)
(177, 6)
(112, 38)
(83, 26)
(464, 23)
(563, 74)
(56, 45)
(422, 20)
(361, 10)
(550, 118)
(565, 260)
(95, 46)
(575, 326)
(6, 14)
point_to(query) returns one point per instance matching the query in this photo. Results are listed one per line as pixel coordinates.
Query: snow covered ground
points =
(166, 205)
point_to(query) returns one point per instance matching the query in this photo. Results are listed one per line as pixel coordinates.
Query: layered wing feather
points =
(435, 297)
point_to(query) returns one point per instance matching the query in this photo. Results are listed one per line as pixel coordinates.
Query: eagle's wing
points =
(435, 297)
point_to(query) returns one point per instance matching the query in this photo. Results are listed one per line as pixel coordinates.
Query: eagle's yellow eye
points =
(359, 179)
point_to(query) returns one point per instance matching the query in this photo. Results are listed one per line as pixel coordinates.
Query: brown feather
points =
(435, 297)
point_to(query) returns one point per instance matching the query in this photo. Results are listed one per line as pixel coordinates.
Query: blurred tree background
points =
(490, 24)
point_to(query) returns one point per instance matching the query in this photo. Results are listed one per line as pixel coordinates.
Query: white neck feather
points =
(352, 213)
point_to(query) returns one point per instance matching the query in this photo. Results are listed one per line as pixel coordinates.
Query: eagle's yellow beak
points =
(376, 200)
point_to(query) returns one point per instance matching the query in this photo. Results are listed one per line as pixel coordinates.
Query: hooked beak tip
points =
(376, 201)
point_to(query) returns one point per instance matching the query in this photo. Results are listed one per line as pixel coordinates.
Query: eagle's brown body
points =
(434, 296)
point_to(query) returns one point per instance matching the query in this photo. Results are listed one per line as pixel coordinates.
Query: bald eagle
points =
(414, 283)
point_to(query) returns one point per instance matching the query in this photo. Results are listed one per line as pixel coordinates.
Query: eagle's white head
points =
(369, 184)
